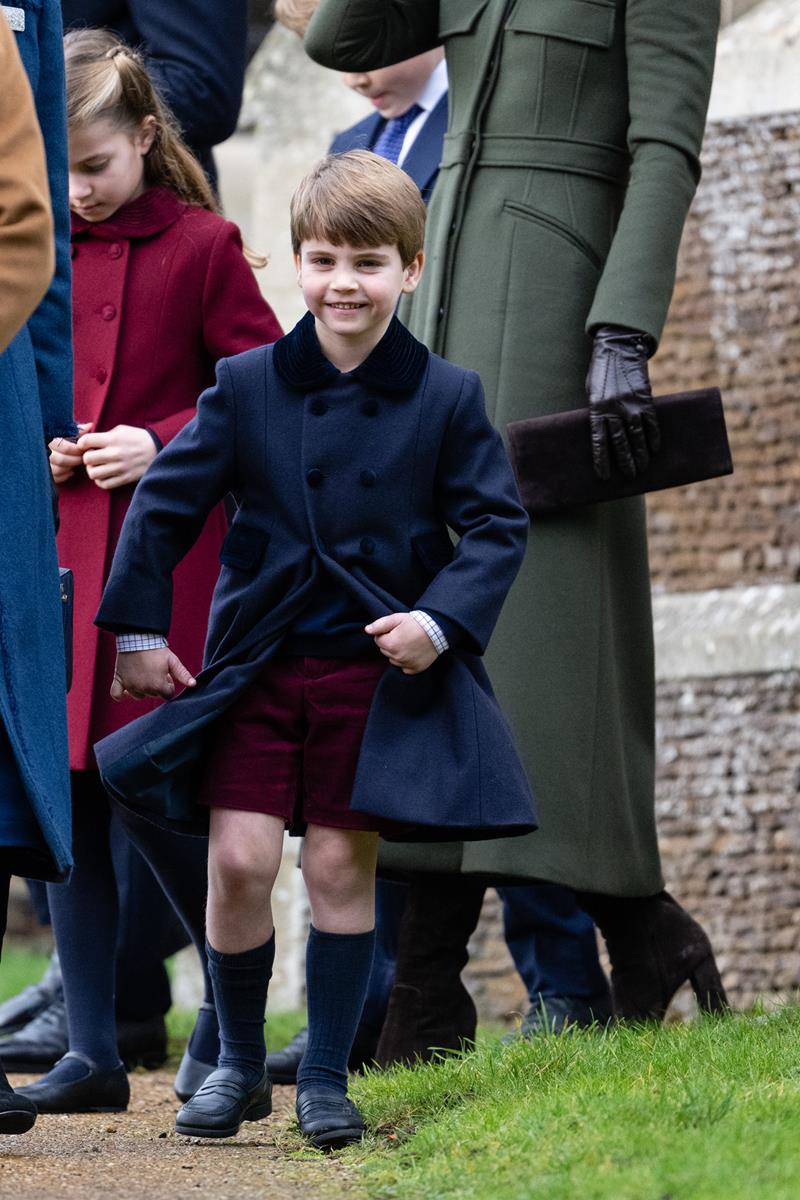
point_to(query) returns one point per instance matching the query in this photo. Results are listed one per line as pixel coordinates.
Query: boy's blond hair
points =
(359, 199)
(295, 14)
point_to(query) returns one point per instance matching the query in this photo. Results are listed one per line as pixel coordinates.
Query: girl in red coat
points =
(161, 290)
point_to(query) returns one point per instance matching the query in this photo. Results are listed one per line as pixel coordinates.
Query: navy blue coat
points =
(36, 386)
(359, 476)
(422, 160)
(196, 50)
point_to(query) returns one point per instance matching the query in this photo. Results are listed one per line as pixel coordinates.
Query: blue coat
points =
(36, 386)
(422, 160)
(196, 50)
(359, 476)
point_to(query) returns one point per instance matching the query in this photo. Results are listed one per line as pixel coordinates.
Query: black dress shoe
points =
(328, 1119)
(19, 1010)
(222, 1103)
(142, 1043)
(555, 1014)
(40, 1043)
(96, 1091)
(17, 1113)
(283, 1064)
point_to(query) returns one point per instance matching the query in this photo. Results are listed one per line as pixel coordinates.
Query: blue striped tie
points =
(393, 134)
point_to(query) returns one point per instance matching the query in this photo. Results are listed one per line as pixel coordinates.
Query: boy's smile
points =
(352, 293)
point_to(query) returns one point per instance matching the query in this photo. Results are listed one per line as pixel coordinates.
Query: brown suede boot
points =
(654, 947)
(429, 1008)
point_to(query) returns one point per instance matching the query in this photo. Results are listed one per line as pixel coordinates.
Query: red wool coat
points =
(160, 292)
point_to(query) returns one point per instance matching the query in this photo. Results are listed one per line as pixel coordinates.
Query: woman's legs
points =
(339, 871)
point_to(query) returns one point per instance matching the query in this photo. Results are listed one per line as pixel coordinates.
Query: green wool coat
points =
(569, 165)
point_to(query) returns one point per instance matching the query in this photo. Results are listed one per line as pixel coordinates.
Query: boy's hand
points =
(118, 456)
(66, 456)
(141, 673)
(404, 642)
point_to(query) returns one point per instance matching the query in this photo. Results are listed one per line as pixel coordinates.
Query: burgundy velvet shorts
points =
(289, 746)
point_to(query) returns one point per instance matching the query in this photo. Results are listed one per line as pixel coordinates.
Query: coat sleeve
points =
(168, 511)
(236, 317)
(26, 225)
(50, 326)
(480, 503)
(670, 52)
(197, 52)
(360, 35)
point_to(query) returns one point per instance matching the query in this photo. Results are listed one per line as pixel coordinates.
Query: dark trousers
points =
(551, 940)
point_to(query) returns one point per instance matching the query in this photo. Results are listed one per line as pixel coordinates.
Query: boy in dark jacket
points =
(342, 693)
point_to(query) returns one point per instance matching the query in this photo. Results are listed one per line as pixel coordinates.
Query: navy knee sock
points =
(337, 974)
(240, 984)
(84, 915)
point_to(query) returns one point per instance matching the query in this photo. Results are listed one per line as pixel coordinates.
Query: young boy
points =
(350, 450)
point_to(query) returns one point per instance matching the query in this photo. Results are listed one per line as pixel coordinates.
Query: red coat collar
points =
(148, 214)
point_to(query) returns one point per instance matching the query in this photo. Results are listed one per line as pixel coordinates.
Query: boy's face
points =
(353, 291)
(392, 90)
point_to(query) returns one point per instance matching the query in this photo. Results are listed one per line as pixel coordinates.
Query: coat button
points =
(370, 408)
(367, 546)
(108, 312)
(319, 407)
(314, 477)
(368, 478)
(115, 250)
(101, 375)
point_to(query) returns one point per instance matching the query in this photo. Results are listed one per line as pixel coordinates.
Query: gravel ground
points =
(125, 1156)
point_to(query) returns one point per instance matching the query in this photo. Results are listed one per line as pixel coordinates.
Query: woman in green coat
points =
(571, 159)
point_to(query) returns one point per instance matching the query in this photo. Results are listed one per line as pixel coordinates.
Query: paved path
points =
(138, 1155)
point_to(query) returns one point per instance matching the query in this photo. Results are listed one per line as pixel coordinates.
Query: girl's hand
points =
(402, 640)
(141, 673)
(117, 457)
(66, 456)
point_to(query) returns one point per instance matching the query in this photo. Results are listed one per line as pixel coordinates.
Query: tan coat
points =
(26, 224)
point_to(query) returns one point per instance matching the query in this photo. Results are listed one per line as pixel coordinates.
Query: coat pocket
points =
(459, 16)
(434, 550)
(553, 225)
(590, 22)
(244, 546)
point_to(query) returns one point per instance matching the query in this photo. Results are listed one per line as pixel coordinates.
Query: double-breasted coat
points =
(356, 476)
(570, 161)
(35, 385)
(161, 291)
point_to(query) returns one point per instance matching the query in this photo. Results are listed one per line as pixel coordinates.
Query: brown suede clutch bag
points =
(552, 455)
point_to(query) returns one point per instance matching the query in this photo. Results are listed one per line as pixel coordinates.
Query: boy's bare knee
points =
(236, 870)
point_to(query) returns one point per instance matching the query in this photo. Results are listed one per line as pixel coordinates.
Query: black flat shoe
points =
(23, 1008)
(283, 1064)
(328, 1119)
(96, 1091)
(17, 1113)
(222, 1103)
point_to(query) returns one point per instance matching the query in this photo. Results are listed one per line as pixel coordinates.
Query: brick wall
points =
(735, 323)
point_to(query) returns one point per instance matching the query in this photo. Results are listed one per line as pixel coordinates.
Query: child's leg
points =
(339, 871)
(244, 854)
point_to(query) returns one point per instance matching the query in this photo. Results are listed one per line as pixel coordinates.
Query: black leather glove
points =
(621, 413)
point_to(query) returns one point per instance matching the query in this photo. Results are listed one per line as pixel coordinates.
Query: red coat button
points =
(101, 375)
(108, 312)
(115, 250)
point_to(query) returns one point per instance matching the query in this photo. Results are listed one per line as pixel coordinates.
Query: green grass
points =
(709, 1111)
(20, 967)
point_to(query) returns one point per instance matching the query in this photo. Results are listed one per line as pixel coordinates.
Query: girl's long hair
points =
(107, 80)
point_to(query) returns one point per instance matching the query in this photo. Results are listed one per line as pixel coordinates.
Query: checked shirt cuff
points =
(434, 631)
(128, 642)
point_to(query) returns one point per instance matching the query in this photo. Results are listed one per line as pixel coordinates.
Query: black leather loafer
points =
(17, 1113)
(283, 1064)
(96, 1091)
(40, 1043)
(21, 1009)
(328, 1119)
(222, 1103)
